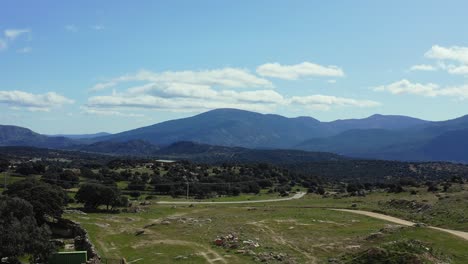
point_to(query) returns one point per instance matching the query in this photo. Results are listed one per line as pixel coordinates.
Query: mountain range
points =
(378, 136)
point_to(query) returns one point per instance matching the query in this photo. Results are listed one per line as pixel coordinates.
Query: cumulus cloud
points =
(9, 36)
(454, 53)
(227, 77)
(207, 89)
(293, 72)
(102, 86)
(462, 69)
(12, 34)
(422, 67)
(33, 102)
(429, 89)
(187, 97)
(101, 112)
(453, 59)
(171, 104)
(406, 87)
(325, 102)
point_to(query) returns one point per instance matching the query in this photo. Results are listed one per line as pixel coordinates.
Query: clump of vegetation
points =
(92, 195)
(20, 233)
(47, 200)
(396, 252)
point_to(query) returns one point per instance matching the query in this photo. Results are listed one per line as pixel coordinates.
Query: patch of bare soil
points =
(277, 238)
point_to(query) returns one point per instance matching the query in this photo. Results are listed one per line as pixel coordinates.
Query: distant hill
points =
(82, 136)
(218, 154)
(228, 127)
(387, 122)
(128, 148)
(20, 136)
(450, 146)
(232, 127)
(387, 137)
(431, 141)
(358, 141)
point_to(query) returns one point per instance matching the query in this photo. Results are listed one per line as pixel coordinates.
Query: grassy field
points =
(298, 231)
(305, 235)
(448, 210)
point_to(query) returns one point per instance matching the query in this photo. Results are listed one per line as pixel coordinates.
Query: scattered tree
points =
(20, 233)
(93, 195)
(47, 200)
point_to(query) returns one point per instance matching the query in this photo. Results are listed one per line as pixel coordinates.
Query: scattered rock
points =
(375, 236)
(150, 225)
(139, 232)
(269, 257)
(420, 225)
(389, 228)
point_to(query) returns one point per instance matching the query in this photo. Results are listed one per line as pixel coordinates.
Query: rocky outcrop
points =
(65, 228)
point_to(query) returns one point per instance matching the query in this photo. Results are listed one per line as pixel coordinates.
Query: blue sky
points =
(89, 66)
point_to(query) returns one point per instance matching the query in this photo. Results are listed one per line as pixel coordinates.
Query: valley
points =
(254, 212)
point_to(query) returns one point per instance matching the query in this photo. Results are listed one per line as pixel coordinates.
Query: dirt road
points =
(392, 219)
(296, 196)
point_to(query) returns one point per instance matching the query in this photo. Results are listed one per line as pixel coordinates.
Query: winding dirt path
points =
(461, 234)
(294, 197)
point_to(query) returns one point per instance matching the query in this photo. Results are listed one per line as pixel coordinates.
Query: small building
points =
(69, 257)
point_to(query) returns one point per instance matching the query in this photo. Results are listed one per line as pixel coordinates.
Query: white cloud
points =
(170, 104)
(325, 102)
(184, 97)
(293, 72)
(24, 50)
(169, 90)
(459, 92)
(33, 102)
(430, 89)
(406, 87)
(260, 96)
(227, 77)
(100, 112)
(204, 90)
(12, 34)
(183, 90)
(454, 53)
(102, 86)
(422, 67)
(447, 56)
(71, 28)
(462, 69)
